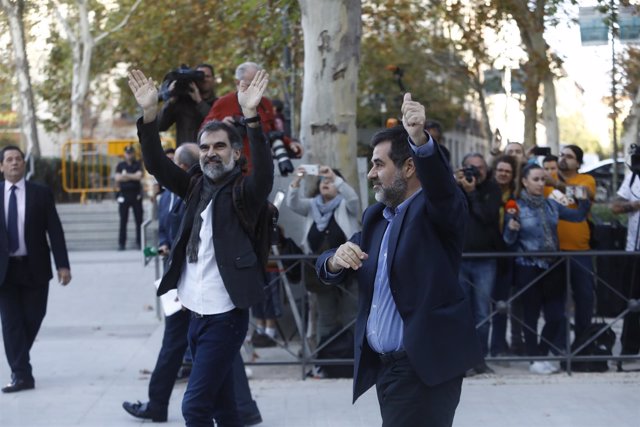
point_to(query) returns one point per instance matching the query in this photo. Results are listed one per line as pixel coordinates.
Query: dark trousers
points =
(630, 338)
(23, 305)
(174, 344)
(405, 401)
(215, 342)
(549, 294)
(582, 288)
(163, 378)
(130, 201)
(501, 292)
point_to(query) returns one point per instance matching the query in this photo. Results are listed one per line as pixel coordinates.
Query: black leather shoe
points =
(251, 420)
(142, 410)
(18, 385)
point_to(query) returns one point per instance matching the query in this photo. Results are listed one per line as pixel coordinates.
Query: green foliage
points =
(55, 90)
(574, 130)
(630, 64)
(405, 35)
(48, 171)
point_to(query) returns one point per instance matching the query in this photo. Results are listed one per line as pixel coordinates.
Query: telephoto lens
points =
(280, 153)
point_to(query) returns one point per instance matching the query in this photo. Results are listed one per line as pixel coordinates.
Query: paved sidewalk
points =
(101, 337)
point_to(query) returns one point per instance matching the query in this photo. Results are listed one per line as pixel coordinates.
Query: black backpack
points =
(261, 226)
(601, 346)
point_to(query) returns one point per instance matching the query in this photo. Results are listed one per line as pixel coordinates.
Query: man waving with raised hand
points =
(212, 263)
(415, 335)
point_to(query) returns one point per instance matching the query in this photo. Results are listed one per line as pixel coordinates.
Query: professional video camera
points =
(471, 172)
(183, 76)
(280, 152)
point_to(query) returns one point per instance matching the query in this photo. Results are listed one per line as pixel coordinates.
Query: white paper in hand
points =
(170, 302)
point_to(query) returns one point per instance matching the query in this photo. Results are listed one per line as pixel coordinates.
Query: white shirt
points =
(200, 287)
(631, 194)
(21, 188)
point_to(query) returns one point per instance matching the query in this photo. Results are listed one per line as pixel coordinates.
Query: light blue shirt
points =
(384, 325)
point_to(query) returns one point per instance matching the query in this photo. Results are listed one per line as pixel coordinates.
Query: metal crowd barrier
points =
(307, 355)
(88, 166)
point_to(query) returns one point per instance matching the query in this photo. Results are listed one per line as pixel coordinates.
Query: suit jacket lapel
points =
(3, 222)
(28, 207)
(394, 234)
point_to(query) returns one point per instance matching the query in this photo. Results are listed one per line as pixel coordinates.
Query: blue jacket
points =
(169, 217)
(530, 237)
(425, 248)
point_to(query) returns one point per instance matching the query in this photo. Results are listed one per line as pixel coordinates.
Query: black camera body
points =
(471, 172)
(183, 76)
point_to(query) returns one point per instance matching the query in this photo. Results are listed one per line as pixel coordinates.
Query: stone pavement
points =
(101, 337)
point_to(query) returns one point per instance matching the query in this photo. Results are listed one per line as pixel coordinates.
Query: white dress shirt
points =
(200, 287)
(21, 188)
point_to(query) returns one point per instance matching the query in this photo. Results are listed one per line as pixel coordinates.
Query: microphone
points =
(511, 207)
(511, 210)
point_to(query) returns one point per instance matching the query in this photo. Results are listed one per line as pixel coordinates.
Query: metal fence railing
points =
(307, 354)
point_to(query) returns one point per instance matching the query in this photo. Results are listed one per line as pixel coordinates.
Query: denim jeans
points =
(477, 277)
(215, 341)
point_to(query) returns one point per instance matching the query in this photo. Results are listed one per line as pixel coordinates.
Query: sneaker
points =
(554, 366)
(541, 368)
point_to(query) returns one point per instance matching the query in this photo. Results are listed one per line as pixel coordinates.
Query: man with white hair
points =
(228, 110)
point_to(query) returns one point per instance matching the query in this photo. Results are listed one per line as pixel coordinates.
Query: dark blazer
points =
(41, 219)
(241, 272)
(425, 246)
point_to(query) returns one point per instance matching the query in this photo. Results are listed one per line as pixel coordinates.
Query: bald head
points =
(187, 155)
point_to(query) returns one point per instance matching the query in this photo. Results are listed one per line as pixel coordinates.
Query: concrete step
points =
(95, 226)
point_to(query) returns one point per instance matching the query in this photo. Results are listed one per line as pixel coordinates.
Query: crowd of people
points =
(415, 341)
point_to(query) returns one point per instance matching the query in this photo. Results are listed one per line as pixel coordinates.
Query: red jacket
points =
(228, 106)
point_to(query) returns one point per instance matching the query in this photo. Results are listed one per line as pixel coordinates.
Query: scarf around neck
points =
(208, 193)
(322, 212)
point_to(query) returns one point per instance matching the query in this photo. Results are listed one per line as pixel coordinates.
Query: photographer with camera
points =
(628, 201)
(227, 110)
(188, 95)
(478, 275)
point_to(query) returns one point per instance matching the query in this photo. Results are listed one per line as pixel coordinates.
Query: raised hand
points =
(146, 94)
(249, 95)
(413, 119)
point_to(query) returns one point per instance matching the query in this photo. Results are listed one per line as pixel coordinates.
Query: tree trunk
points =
(14, 11)
(82, 42)
(549, 114)
(531, 93)
(332, 31)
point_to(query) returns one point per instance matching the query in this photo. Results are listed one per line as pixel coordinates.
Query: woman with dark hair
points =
(532, 227)
(505, 173)
(331, 218)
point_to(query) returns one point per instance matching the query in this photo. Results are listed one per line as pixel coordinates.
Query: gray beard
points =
(394, 195)
(216, 171)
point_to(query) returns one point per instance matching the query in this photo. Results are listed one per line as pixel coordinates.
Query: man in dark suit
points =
(28, 216)
(213, 263)
(415, 335)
